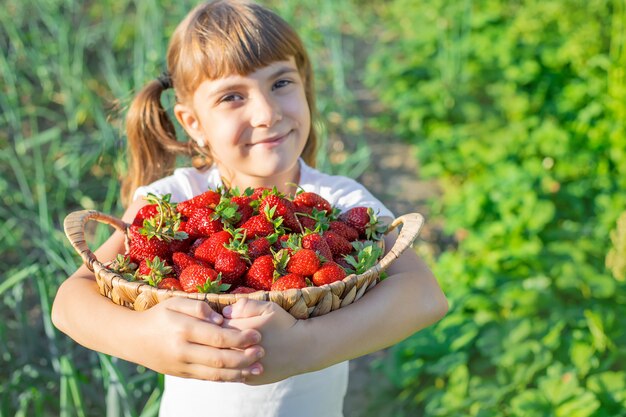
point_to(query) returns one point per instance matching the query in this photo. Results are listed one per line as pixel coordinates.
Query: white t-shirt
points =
(314, 394)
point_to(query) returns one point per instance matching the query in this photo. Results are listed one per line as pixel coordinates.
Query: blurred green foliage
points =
(68, 69)
(518, 109)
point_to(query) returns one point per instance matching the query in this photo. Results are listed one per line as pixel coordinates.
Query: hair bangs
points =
(246, 39)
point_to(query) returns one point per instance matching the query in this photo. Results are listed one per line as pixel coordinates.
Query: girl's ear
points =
(188, 120)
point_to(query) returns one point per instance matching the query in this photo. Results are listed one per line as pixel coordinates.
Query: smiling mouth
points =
(272, 140)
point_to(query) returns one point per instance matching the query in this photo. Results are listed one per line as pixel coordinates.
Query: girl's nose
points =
(265, 112)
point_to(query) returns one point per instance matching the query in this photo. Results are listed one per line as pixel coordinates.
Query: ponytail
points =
(152, 145)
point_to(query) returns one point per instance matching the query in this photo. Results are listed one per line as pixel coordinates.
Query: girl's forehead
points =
(275, 69)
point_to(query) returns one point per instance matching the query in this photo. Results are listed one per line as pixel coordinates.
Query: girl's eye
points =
(281, 83)
(231, 97)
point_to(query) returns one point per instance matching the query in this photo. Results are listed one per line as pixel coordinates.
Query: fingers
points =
(198, 371)
(245, 308)
(219, 337)
(194, 308)
(222, 358)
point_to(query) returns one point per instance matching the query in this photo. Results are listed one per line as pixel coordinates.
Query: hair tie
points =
(165, 80)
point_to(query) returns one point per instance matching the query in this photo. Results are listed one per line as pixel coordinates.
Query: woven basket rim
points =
(74, 226)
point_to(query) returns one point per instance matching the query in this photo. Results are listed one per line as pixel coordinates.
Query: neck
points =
(286, 182)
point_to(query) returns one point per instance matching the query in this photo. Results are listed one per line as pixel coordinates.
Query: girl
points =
(244, 96)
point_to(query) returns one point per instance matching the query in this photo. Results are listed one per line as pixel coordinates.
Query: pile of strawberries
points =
(227, 241)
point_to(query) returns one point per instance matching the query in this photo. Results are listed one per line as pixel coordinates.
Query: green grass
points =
(67, 71)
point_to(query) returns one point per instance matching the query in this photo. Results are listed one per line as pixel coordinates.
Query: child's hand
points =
(184, 337)
(283, 338)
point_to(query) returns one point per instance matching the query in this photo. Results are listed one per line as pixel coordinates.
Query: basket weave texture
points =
(300, 303)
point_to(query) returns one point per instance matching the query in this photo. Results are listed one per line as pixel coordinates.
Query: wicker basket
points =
(301, 303)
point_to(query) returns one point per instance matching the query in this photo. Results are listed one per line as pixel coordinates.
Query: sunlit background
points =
(514, 112)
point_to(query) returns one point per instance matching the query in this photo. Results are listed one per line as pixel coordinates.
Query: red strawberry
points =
(182, 260)
(328, 273)
(314, 200)
(144, 247)
(153, 270)
(201, 223)
(291, 242)
(244, 208)
(258, 192)
(342, 262)
(289, 281)
(343, 229)
(316, 242)
(301, 208)
(208, 199)
(303, 262)
(338, 244)
(170, 284)
(284, 209)
(214, 244)
(198, 278)
(307, 222)
(364, 221)
(180, 245)
(260, 246)
(258, 225)
(261, 273)
(195, 244)
(243, 290)
(146, 212)
(231, 265)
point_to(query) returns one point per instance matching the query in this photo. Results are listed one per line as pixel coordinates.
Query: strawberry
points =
(153, 237)
(244, 208)
(328, 273)
(261, 273)
(197, 242)
(338, 244)
(170, 283)
(243, 290)
(289, 281)
(124, 266)
(146, 247)
(214, 244)
(202, 223)
(314, 200)
(153, 270)
(182, 260)
(307, 222)
(283, 208)
(227, 211)
(301, 208)
(262, 224)
(231, 265)
(364, 221)
(146, 212)
(343, 262)
(257, 193)
(343, 229)
(261, 246)
(303, 262)
(291, 242)
(316, 242)
(208, 199)
(198, 278)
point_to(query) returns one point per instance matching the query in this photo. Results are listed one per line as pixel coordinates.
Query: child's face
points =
(255, 125)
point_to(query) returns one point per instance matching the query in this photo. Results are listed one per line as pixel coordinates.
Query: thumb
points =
(246, 308)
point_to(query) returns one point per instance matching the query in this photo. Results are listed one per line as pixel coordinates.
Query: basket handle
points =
(74, 226)
(411, 226)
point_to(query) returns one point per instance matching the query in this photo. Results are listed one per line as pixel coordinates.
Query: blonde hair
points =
(215, 39)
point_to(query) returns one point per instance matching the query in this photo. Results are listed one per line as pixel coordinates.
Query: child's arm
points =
(407, 301)
(179, 336)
